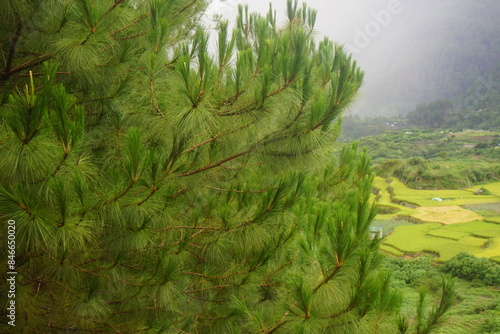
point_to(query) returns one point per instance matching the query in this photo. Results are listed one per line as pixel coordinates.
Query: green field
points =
(462, 221)
(449, 197)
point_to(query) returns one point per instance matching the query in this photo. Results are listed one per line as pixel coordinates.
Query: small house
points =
(376, 232)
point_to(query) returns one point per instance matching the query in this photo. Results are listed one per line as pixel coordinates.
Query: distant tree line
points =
(432, 115)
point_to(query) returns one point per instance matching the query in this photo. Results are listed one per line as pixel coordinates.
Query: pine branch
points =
(277, 326)
(191, 228)
(153, 191)
(268, 277)
(326, 280)
(133, 36)
(221, 277)
(216, 164)
(200, 144)
(237, 191)
(116, 4)
(153, 97)
(130, 24)
(112, 327)
(348, 309)
(250, 107)
(34, 62)
(12, 50)
(37, 74)
(23, 207)
(187, 6)
(210, 288)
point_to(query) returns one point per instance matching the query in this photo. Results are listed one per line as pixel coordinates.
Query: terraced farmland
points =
(445, 222)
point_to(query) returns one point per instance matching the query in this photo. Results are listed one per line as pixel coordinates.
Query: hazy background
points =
(413, 51)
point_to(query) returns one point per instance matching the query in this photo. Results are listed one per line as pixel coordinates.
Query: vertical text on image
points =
(11, 274)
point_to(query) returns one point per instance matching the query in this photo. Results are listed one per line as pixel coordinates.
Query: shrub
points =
(469, 267)
(482, 145)
(408, 271)
(415, 161)
(490, 326)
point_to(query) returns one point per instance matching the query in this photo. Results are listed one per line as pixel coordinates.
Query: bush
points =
(408, 271)
(416, 161)
(469, 267)
(482, 145)
(490, 326)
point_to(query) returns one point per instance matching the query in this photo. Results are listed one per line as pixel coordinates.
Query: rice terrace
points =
(442, 223)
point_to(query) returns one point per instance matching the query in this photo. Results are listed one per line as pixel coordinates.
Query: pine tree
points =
(159, 188)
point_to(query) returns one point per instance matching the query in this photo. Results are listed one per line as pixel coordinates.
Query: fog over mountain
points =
(412, 51)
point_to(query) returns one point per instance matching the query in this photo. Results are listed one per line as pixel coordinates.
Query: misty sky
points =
(398, 43)
(343, 21)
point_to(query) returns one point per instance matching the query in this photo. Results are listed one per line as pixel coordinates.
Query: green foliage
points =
(159, 188)
(490, 325)
(476, 305)
(469, 267)
(434, 159)
(433, 115)
(422, 317)
(408, 271)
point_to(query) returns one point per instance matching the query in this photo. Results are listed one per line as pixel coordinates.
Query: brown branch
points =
(220, 277)
(108, 277)
(250, 106)
(334, 272)
(300, 315)
(320, 123)
(344, 311)
(108, 325)
(10, 57)
(217, 136)
(237, 191)
(275, 328)
(97, 99)
(66, 154)
(197, 255)
(187, 6)
(153, 97)
(210, 288)
(36, 74)
(130, 24)
(218, 318)
(191, 228)
(268, 277)
(216, 164)
(134, 36)
(122, 194)
(90, 272)
(116, 4)
(38, 60)
(153, 191)
(25, 208)
(200, 144)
